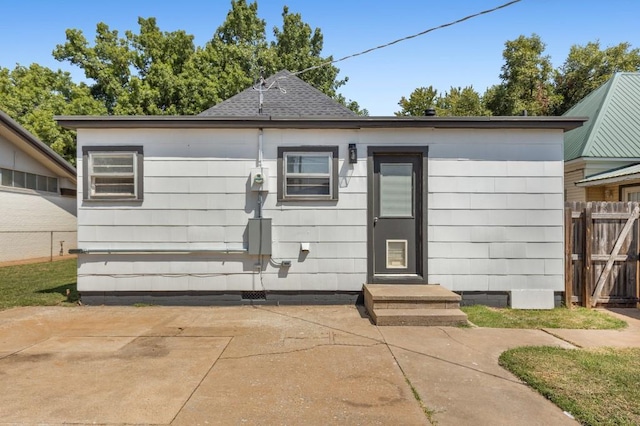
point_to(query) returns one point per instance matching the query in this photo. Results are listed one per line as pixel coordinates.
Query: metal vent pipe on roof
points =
(430, 112)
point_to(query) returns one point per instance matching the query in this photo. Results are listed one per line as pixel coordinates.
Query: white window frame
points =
(626, 190)
(89, 156)
(329, 152)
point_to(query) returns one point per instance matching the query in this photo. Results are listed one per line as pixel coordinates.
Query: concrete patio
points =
(264, 365)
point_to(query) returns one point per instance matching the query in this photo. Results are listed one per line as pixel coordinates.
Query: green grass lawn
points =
(597, 386)
(38, 284)
(577, 318)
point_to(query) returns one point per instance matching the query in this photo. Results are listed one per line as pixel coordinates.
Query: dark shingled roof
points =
(288, 97)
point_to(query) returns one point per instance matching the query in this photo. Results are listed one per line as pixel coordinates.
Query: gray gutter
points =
(268, 122)
(37, 143)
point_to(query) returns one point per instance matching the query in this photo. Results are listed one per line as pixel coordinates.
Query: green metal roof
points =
(613, 129)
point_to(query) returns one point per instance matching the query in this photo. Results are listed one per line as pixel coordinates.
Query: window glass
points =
(41, 183)
(308, 164)
(19, 179)
(308, 174)
(114, 186)
(308, 186)
(7, 177)
(396, 189)
(52, 184)
(31, 181)
(113, 163)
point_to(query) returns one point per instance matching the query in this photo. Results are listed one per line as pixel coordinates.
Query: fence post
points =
(586, 257)
(568, 257)
(51, 248)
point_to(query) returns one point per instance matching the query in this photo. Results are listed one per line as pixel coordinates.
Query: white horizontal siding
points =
(495, 211)
(497, 225)
(484, 201)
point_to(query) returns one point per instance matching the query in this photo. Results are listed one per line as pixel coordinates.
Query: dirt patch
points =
(150, 347)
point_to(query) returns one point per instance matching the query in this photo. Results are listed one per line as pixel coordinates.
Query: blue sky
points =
(469, 53)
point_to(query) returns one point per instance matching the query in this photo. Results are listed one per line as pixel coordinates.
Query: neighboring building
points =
(308, 201)
(37, 197)
(602, 158)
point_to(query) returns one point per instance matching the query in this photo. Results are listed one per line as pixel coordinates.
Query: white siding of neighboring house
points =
(33, 224)
(495, 212)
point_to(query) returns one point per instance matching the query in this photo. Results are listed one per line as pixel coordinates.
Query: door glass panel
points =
(397, 254)
(396, 194)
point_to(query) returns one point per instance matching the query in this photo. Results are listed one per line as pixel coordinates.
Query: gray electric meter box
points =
(259, 236)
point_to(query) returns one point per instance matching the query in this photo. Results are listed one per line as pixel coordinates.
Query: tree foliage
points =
(34, 95)
(154, 72)
(457, 101)
(419, 101)
(527, 83)
(588, 67)
(461, 102)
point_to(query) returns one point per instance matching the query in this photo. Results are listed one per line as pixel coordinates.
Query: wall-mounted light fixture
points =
(353, 153)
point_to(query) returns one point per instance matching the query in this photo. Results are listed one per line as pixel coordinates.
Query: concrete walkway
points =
(264, 365)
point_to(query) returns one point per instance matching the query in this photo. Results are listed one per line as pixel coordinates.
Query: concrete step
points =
(402, 304)
(419, 317)
(401, 296)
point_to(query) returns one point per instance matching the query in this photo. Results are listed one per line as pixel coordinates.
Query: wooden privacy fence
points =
(601, 253)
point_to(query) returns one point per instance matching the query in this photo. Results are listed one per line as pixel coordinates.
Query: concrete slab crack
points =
(204, 376)
(302, 350)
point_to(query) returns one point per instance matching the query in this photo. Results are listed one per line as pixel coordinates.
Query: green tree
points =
(419, 101)
(464, 102)
(33, 95)
(238, 50)
(155, 72)
(526, 80)
(138, 74)
(297, 47)
(588, 67)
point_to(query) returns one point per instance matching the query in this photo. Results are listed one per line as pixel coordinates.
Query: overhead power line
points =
(382, 46)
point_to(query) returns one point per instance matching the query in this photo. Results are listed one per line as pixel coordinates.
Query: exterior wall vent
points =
(254, 295)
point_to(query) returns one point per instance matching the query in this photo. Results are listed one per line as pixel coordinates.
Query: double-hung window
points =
(112, 173)
(308, 173)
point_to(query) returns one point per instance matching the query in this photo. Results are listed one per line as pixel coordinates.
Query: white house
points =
(295, 198)
(37, 197)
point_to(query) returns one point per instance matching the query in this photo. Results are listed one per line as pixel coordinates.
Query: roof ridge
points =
(284, 94)
(599, 115)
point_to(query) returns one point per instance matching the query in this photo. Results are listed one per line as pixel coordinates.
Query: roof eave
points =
(38, 145)
(587, 183)
(84, 122)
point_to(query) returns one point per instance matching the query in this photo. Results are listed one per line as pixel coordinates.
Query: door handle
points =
(375, 220)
